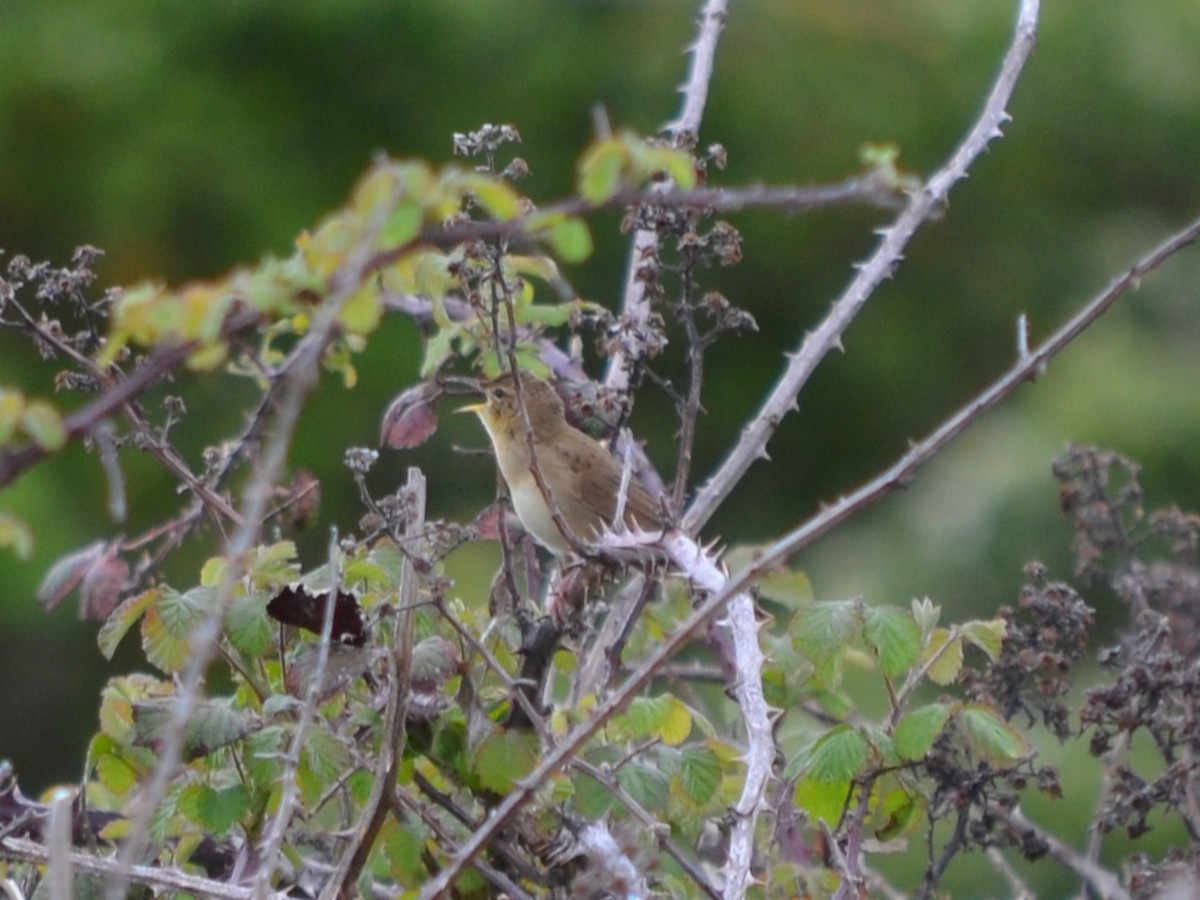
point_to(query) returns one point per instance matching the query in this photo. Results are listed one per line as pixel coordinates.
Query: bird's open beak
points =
(472, 408)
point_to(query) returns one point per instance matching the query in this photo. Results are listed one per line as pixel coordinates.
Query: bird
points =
(583, 477)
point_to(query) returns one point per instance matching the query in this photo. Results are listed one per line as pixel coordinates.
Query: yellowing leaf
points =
(949, 656)
(12, 404)
(362, 310)
(987, 636)
(16, 535)
(571, 240)
(600, 170)
(504, 758)
(44, 425)
(989, 735)
(677, 725)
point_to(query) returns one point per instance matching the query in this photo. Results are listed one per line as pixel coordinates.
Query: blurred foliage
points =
(188, 139)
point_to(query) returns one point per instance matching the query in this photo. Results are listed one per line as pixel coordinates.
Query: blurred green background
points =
(184, 139)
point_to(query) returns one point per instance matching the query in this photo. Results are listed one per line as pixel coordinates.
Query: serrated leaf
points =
(216, 811)
(247, 625)
(821, 631)
(894, 636)
(987, 636)
(592, 799)
(274, 565)
(699, 774)
(168, 624)
(16, 535)
(44, 425)
(403, 844)
(645, 784)
(645, 716)
(212, 725)
(919, 728)
(838, 755)
(948, 651)
(325, 754)
(989, 735)
(503, 758)
(121, 619)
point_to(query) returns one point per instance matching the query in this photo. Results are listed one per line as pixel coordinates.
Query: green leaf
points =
(949, 656)
(646, 715)
(44, 425)
(592, 799)
(894, 636)
(215, 811)
(402, 226)
(838, 755)
(571, 240)
(325, 754)
(168, 625)
(362, 310)
(505, 757)
(700, 774)
(900, 811)
(274, 565)
(212, 725)
(12, 405)
(822, 631)
(987, 636)
(989, 735)
(677, 725)
(645, 784)
(438, 349)
(16, 535)
(552, 315)
(822, 800)
(919, 728)
(121, 619)
(403, 844)
(247, 625)
(600, 170)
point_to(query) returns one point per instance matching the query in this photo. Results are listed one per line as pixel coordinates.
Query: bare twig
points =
(827, 336)
(289, 790)
(635, 302)
(167, 879)
(1106, 885)
(400, 675)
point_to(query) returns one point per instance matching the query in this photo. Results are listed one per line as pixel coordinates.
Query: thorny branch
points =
(399, 680)
(828, 335)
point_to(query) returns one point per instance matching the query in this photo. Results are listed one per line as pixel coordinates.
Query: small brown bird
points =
(583, 477)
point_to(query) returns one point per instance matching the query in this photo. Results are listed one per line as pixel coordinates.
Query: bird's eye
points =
(501, 393)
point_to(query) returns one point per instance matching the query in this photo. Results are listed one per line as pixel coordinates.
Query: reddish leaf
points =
(410, 420)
